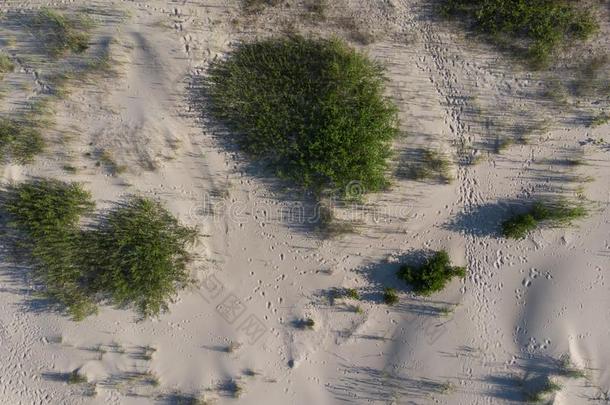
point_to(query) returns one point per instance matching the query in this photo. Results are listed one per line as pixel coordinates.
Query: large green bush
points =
(536, 27)
(313, 108)
(433, 275)
(135, 255)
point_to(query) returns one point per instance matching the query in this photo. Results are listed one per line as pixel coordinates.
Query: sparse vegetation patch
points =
(433, 275)
(6, 64)
(552, 213)
(313, 108)
(19, 140)
(61, 33)
(531, 28)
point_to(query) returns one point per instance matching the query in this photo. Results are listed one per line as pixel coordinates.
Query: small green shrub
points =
(138, 255)
(390, 296)
(19, 140)
(75, 377)
(550, 387)
(61, 33)
(553, 213)
(537, 27)
(6, 64)
(352, 293)
(313, 108)
(433, 275)
(600, 119)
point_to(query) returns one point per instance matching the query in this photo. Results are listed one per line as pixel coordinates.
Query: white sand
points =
(523, 303)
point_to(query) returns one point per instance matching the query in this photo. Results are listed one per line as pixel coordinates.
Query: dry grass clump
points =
(61, 33)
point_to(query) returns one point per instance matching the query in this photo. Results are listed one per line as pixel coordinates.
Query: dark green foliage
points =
(61, 33)
(554, 213)
(48, 212)
(536, 27)
(433, 275)
(19, 140)
(136, 255)
(314, 109)
(390, 296)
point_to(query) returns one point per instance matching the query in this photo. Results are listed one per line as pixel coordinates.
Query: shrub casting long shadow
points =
(134, 255)
(312, 110)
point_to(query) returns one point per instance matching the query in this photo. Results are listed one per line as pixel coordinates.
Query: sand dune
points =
(234, 337)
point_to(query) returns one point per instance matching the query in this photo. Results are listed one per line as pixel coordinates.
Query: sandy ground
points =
(523, 305)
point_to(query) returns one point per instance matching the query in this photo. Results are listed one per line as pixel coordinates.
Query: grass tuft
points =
(431, 165)
(390, 296)
(313, 108)
(534, 29)
(75, 377)
(433, 275)
(553, 213)
(19, 140)
(62, 33)
(6, 64)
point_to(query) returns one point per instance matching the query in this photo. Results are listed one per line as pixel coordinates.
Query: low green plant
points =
(390, 296)
(431, 165)
(536, 28)
(19, 140)
(352, 293)
(107, 160)
(134, 255)
(553, 213)
(433, 275)
(550, 387)
(75, 377)
(62, 33)
(600, 119)
(314, 109)
(6, 64)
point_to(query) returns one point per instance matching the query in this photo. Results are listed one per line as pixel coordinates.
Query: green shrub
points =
(6, 64)
(313, 109)
(138, 255)
(390, 296)
(61, 33)
(47, 212)
(553, 213)
(433, 275)
(19, 140)
(537, 27)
